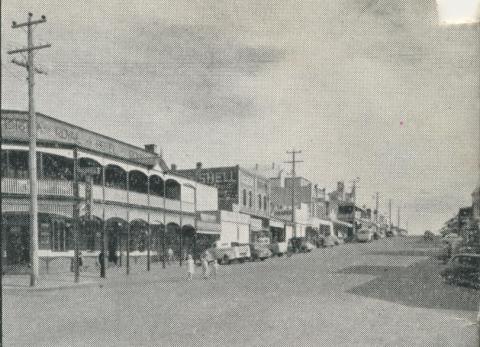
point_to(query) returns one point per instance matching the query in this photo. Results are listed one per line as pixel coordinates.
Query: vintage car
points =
(364, 235)
(428, 236)
(259, 251)
(279, 248)
(463, 269)
(300, 245)
(226, 252)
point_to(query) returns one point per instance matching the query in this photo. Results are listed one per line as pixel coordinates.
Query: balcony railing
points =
(65, 189)
(138, 198)
(114, 194)
(45, 187)
(15, 186)
(188, 206)
(172, 204)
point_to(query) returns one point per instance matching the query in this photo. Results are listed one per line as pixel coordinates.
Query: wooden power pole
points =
(32, 133)
(294, 162)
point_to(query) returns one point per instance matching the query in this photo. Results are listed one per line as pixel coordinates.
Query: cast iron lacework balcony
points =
(111, 183)
(64, 188)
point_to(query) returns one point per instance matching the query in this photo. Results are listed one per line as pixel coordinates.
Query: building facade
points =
(242, 191)
(131, 198)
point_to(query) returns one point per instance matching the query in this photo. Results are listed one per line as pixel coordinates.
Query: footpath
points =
(14, 284)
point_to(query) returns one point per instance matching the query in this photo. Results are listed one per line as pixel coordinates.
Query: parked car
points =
(331, 240)
(226, 252)
(259, 251)
(364, 235)
(428, 235)
(279, 248)
(301, 245)
(463, 269)
(452, 237)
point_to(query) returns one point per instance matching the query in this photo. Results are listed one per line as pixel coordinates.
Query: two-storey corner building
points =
(131, 195)
(241, 191)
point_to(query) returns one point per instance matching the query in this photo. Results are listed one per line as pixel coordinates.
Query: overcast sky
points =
(369, 88)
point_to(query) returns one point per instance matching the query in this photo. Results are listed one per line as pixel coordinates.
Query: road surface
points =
(383, 293)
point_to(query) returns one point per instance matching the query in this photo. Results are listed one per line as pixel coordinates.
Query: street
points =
(383, 293)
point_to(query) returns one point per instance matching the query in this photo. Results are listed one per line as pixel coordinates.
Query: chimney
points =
(273, 165)
(256, 167)
(151, 148)
(174, 167)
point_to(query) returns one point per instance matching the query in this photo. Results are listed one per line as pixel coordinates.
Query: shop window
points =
(58, 240)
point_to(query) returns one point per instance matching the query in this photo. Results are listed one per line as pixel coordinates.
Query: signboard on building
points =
(15, 127)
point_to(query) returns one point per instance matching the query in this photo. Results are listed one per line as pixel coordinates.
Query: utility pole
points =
(32, 161)
(390, 213)
(294, 162)
(398, 218)
(354, 195)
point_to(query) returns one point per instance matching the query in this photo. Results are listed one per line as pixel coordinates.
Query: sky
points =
(383, 90)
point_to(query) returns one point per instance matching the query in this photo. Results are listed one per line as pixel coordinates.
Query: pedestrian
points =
(205, 269)
(215, 268)
(101, 256)
(170, 258)
(190, 267)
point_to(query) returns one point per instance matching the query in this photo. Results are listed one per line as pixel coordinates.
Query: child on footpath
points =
(205, 267)
(215, 268)
(190, 267)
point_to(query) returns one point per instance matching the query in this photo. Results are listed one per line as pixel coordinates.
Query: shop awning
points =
(349, 225)
(325, 222)
(256, 224)
(277, 224)
(208, 228)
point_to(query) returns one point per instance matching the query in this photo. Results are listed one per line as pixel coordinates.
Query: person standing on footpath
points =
(170, 257)
(190, 267)
(215, 268)
(205, 269)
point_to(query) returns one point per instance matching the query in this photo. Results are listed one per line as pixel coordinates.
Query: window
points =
(58, 236)
(259, 201)
(265, 203)
(244, 197)
(250, 199)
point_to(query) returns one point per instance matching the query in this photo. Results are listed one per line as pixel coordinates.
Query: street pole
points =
(76, 217)
(293, 162)
(164, 220)
(398, 218)
(32, 133)
(354, 188)
(376, 212)
(390, 213)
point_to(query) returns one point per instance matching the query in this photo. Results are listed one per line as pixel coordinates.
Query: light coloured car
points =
(330, 241)
(364, 235)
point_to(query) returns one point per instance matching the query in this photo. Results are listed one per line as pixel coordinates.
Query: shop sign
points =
(15, 126)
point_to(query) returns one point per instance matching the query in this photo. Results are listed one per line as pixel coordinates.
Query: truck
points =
(226, 252)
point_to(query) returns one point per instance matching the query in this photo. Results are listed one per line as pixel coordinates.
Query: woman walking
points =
(190, 267)
(215, 268)
(205, 269)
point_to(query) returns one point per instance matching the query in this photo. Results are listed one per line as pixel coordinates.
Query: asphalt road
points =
(384, 293)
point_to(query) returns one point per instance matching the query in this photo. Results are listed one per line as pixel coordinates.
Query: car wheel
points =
(241, 260)
(262, 259)
(225, 260)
